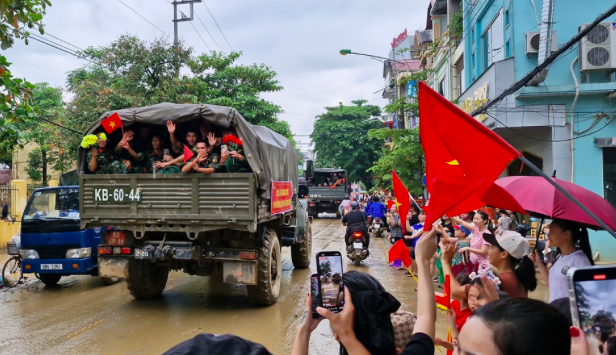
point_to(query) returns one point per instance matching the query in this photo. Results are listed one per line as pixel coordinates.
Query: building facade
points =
(564, 120)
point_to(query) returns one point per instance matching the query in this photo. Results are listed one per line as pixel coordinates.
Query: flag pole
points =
(568, 195)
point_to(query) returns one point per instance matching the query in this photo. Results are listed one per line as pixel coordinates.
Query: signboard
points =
(282, 196)
(410, 89)
(401, 37)
(479, 98)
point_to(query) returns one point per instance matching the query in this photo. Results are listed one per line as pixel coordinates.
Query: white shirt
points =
(559, 288)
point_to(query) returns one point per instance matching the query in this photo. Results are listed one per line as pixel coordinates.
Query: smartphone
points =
(331, 289)
(165, 151)
(223, 148)
(591, 296)
(316, 296)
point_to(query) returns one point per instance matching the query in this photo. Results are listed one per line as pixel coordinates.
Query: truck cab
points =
(328, 187)
(53, 244)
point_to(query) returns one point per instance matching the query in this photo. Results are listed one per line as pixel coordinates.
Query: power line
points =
(223, 35)
(138, 14)
(61, 40)
(208, 32)
(57, 46)
(530, 75)
(198, 34)
(59, 125)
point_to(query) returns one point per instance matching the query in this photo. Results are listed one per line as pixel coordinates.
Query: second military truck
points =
(226, 225)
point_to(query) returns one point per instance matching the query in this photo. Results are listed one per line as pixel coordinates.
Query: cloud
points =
(300, 40)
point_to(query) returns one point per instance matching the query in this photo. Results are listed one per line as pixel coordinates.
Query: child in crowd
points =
(503, 222)
(416, 232)
(460, 260)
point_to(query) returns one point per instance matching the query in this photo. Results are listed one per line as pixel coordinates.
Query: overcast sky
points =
(299, 39)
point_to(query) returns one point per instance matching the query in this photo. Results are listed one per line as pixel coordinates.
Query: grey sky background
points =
(300, 40)
(600, 295)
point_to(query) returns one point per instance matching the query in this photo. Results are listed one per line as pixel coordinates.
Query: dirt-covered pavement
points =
(82, 316)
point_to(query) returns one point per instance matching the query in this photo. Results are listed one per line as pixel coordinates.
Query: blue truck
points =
(53, 244)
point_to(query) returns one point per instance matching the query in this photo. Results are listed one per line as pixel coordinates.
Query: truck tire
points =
(50, 279)
(146, 279)
(301, 253)
(269, 276)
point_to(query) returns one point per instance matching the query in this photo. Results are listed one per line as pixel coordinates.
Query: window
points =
(609, 175)
(507, 18)
(472, 35)
(507, 50)
(473, 59)
(492, 42)
(441, 87)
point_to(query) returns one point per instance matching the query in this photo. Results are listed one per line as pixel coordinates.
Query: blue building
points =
(565, 122)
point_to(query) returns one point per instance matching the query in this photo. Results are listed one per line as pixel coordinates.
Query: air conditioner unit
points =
(532, 42)
(598, 48)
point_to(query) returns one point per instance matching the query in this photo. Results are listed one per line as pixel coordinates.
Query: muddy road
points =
(82, 316)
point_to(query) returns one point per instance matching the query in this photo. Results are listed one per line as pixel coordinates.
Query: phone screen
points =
(593, 306)
(329, 267)
(165, 151)
(316, 297)
(223, 148)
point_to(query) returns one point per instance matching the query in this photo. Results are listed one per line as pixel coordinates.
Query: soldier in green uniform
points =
(126, 153)
(102, 160)
(155, 156)
(205, 163)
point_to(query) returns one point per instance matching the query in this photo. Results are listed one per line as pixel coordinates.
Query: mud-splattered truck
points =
(226, 225)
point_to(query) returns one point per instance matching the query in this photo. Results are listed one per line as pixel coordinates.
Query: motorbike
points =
(377, 227)
(357, 250)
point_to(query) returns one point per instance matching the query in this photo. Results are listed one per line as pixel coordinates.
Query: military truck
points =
(327, 188)
(225, 225)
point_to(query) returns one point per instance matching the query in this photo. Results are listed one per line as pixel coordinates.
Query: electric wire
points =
(216, 22)
(59, 125)
(208, 32)
(138, 14)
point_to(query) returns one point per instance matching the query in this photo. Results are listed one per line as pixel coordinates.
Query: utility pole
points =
(182, 19)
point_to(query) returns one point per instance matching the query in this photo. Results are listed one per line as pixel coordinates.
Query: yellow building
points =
(20, 162)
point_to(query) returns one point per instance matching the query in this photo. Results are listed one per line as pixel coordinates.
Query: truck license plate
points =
(51, 266)
(117, 195)
(116, 238)
(140, 254)
(358, 245)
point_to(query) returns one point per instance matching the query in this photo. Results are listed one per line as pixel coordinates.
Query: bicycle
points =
(12, 273)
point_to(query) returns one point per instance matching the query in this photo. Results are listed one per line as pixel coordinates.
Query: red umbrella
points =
(541, 199)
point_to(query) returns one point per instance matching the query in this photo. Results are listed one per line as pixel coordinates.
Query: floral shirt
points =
(476, 243)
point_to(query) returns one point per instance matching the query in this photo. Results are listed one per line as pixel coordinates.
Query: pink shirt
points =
(476, 242)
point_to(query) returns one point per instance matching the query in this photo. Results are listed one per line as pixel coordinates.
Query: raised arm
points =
(93, 165)
(174, 142)
(457, 290)
(426, 304)
(464, 224)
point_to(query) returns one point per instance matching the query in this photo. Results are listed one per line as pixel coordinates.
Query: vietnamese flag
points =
(188, 154)
(401, 194)
(112, 123)
(463, 158)
(399, 251)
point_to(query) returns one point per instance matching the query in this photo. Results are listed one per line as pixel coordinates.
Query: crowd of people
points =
(154, 149)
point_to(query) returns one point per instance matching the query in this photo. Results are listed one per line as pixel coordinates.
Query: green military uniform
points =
(137, 163)
(235, 165)
(151, 157)
(213, 161)
(107, 162)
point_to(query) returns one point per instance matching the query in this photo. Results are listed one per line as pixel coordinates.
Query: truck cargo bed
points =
(171, 202)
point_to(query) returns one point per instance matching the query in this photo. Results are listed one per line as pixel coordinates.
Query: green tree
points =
(404, 155)
(16, 17)
(341, 139)
(50, 150)
(326, 269)
(132, 72)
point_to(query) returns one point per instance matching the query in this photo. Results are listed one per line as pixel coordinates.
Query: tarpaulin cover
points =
(270, 155)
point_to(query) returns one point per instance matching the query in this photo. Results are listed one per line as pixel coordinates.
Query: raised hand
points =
(170, 127)
(128, 136)
(125, 144)
(127, 164)
(211, 139)
(448, 253)
(224, 156)
(94, 152)
(195, 165)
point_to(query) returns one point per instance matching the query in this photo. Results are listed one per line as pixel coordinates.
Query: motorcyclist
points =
(355, 220)
(377, 210)
(344, 205)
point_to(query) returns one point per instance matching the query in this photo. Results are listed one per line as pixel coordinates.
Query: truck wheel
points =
(50, 279)
(267, 289)
(300, 253)
(109, 280)
(145, 279)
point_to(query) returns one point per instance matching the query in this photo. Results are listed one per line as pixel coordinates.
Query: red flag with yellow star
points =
(112, 123)
(463, 158)
(401, 194)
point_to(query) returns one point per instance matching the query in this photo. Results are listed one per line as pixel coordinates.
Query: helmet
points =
(354, 205)
(376, 198)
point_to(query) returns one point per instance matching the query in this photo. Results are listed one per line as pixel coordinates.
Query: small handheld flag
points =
(188, 154)
(112, 123)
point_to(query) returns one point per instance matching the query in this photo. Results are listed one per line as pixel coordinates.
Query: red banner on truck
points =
(282, 195)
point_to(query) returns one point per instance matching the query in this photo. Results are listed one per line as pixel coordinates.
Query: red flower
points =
(231, 139)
